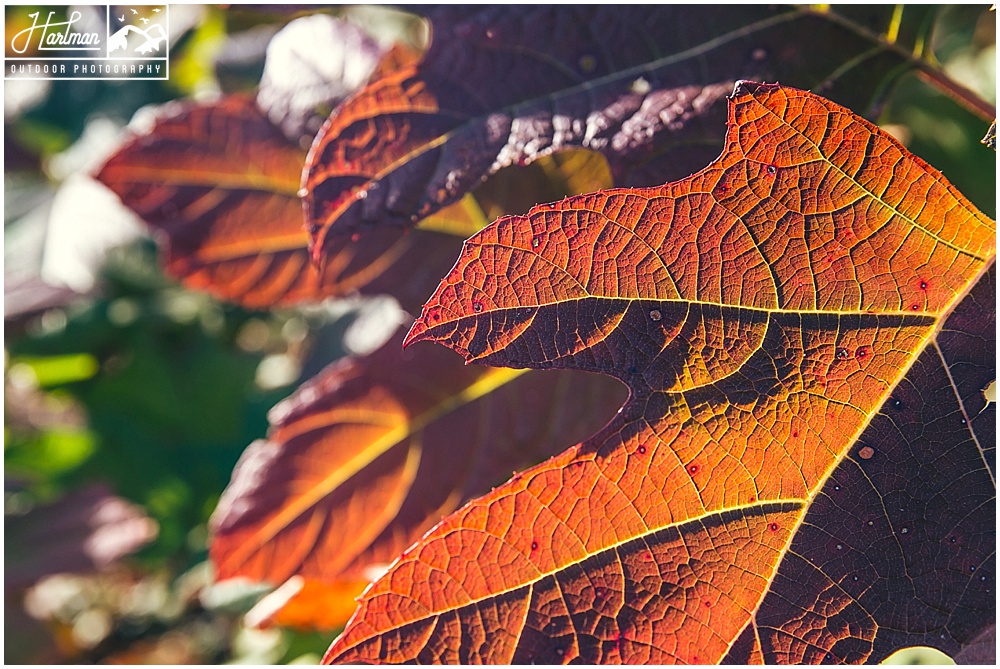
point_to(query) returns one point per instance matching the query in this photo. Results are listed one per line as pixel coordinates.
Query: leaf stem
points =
(960, 94)
(926, 70)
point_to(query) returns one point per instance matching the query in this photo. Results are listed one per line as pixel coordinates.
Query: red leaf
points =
(362, 460)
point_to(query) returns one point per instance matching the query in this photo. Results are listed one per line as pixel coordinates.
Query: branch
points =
(960, 94)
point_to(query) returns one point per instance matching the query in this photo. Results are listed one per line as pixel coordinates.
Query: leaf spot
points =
(655, 314)
(772, 170)
(534, 545)
(866, 452)
(641, 449)
(843, 354)
(535, 242)
(693, 469)
(773, 527)
(477, 306)
(905, 530)
(861, 353)
(923, 285)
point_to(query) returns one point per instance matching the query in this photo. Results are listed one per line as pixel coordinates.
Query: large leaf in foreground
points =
(644, 85)
(804, 469)
(363, 459)
(219, 183)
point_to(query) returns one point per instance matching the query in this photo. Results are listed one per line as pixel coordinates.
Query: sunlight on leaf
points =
(787, 320)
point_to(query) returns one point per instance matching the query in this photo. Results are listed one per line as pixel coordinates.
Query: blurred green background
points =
(136, 393)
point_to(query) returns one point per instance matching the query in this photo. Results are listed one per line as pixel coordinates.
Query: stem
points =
(960, 94)
(927, 71)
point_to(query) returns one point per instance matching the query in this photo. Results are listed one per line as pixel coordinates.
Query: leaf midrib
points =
(804, 503)
(627, 73)
(482, 386)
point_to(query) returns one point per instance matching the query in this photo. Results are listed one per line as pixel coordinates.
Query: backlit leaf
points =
(644, 85)
(804, 470)
(363, 459)
(218, 183)
(307, 604)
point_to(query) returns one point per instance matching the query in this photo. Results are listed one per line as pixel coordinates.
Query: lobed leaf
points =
(804, 471)
(367, 456)
(642, 85)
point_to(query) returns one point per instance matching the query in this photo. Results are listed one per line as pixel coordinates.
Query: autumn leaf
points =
(306, 604)
(642, 85)
(804, 470)
(218, 183)
(362, 460)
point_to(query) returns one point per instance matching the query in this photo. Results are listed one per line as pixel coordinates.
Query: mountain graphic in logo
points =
(147, 38)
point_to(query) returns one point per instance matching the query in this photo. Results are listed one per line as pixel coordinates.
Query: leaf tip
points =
(417, 332)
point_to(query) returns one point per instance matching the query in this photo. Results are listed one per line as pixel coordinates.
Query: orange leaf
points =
(307, 604)
(804, 469)
(363, 459)
(218, 183)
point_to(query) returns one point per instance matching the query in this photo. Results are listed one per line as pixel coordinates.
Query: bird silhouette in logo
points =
(154, 36)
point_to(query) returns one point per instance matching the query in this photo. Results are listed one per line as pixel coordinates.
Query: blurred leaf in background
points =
(119, 384)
